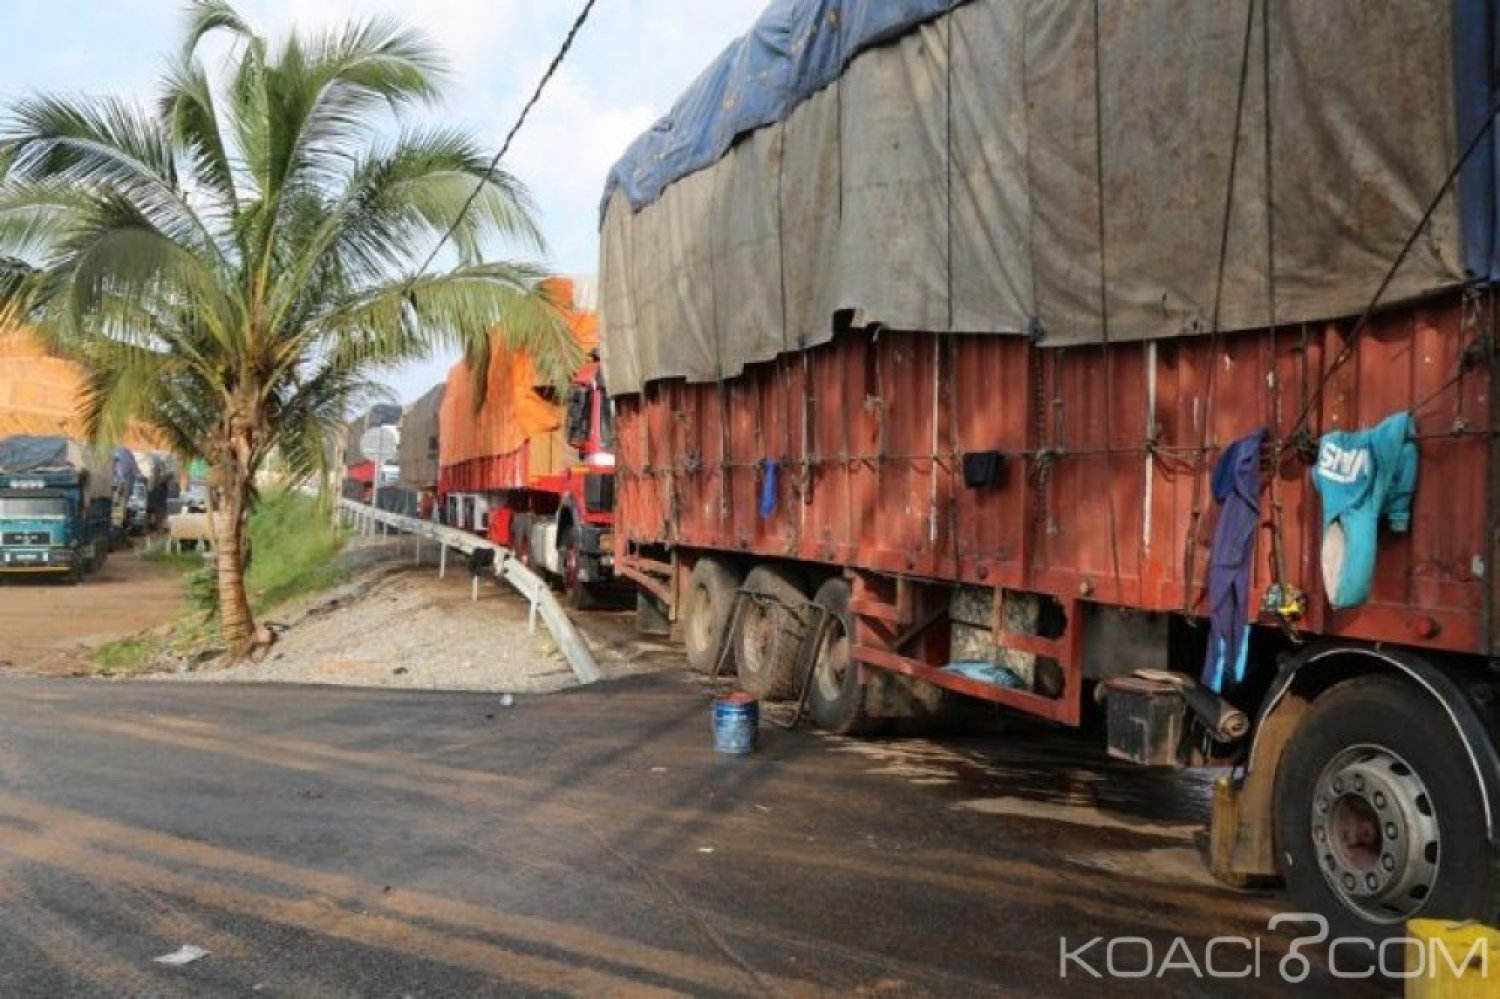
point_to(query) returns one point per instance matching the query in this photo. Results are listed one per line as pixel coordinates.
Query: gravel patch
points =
(398, 625)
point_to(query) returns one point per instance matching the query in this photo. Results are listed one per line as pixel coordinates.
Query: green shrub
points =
(203, 589)
(293, 545)
(126, 657)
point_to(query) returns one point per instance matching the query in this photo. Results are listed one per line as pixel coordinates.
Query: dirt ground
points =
(396, 624)
(50, 628)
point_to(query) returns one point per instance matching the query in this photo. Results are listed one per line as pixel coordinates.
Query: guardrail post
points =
(443, 561)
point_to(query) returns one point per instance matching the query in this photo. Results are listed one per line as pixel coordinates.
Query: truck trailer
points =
(146, 505)
(365, 474)
(419, 451)
(530, 471)
(1126, 363)
(55, 508)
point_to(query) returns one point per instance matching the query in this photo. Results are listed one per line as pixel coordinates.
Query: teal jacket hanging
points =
(1363, 476)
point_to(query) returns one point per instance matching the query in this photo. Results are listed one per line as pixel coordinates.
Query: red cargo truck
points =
(988, 365)
(532, 472)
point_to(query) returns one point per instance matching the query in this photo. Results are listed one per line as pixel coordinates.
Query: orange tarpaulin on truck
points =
(39, 393)
(514, 410)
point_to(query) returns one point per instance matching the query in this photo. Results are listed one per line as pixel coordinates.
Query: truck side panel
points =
(1106, 454)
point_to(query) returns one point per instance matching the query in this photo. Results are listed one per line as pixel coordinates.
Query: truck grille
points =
(25, 538)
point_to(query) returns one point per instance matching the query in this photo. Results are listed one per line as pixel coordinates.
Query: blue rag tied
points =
(768, 488)
(1236, 488)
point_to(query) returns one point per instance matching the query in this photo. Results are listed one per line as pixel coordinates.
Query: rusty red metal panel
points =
(1108, 452)
(488, 474)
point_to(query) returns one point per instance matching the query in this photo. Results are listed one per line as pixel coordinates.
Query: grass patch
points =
(293, 545)
(160, 553)
(152, 652)
(294, 548)
(127, 657)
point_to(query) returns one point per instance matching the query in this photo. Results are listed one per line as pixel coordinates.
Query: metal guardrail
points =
(502, 562)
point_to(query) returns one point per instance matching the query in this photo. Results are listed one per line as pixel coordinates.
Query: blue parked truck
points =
(55, 508)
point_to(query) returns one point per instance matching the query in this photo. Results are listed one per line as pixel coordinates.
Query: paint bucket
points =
(736, 720)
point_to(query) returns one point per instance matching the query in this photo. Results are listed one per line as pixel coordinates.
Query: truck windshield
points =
(577, 426)
(33, 508)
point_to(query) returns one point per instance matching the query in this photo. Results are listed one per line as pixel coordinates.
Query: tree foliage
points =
(234, 265)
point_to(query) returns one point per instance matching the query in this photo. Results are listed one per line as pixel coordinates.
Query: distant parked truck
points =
(529, 472)
(146, 506)
(366, 473)
(55, 507)
(419, 451)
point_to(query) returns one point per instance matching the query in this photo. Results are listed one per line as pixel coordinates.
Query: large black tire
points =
(706, 608)
(836, 698)
(770, 634)
(579, 594)
(1375, 756)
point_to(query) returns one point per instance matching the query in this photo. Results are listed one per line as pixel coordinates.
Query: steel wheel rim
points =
(756, 635)
(699, 624)
(1375, 833)
(832, 665)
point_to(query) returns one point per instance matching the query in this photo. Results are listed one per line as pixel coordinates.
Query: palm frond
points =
(399, 201)
(325, 89)
(99, 146)
(192, 119)
(204, 17)
(463, 308)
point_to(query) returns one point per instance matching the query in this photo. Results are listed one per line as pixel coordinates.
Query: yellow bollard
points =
(1459, 960)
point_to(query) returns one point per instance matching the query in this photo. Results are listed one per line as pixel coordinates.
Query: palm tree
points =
(230, 268)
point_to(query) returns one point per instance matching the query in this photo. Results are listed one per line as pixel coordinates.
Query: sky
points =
(630, 62)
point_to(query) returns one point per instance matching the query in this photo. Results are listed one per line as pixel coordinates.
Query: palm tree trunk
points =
(236, 623)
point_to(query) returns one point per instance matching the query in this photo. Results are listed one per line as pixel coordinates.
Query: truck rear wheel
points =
(837, 696)
(580, 595)
(770, 634)
(1379, 817)
(706, 608)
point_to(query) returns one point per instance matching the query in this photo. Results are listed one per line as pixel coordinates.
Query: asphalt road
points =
(334, 842)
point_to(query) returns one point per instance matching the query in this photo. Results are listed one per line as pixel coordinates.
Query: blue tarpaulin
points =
(124, 467)
(1058, 169)
(797, 48)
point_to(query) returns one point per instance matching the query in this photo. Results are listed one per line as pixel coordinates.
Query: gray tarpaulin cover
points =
(1062, 169)
(419, 441)
(382, 414)
(25, 455)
